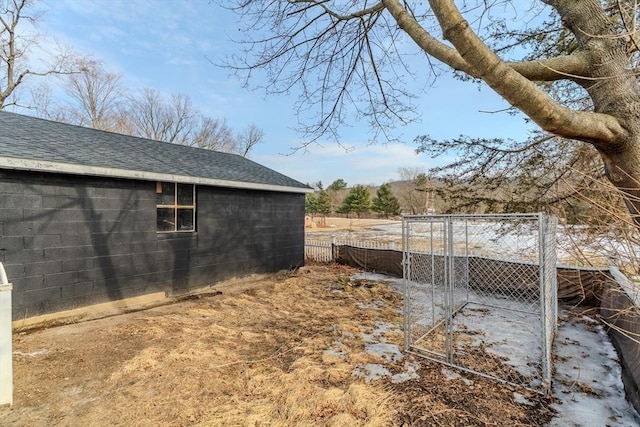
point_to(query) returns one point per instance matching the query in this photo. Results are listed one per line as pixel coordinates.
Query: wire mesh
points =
(481, 294)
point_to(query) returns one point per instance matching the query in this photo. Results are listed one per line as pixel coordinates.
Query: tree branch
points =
(340, 17)
(594, 128)
(573, 67)
(425, 40)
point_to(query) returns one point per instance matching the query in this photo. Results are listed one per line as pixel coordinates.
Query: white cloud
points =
(165, 45)
(370, 164)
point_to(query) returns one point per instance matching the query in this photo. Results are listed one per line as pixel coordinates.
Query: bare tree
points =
(16, 65)
(95, 96)
(248, 139)
(44, 105)
(407, 190)
(343, 53)
(213, 134)
(150, 116)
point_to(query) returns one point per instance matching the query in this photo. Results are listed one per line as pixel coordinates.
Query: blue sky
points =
(166, 45)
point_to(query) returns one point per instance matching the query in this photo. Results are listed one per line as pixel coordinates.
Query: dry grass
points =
(251, 356)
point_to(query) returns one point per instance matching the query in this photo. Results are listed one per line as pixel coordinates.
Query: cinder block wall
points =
(70, 241)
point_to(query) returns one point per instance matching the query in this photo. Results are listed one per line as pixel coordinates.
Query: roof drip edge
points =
(100, 171)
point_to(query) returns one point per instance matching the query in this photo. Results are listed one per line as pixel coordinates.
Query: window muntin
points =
(176, 207)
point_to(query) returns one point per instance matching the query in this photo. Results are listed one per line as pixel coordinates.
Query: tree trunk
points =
(623, 170)
(613, 89)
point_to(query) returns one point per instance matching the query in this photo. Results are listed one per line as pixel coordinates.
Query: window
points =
(176, 206)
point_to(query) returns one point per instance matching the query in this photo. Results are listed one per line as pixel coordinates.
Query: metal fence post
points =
(333, 249)
(406, 277)
(6, 362)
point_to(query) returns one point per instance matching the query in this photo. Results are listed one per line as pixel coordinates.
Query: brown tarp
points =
(582, 286)
(575, 286)
(622, 314)
(376, 260)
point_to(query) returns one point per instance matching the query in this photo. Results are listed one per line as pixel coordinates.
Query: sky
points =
(169, 45)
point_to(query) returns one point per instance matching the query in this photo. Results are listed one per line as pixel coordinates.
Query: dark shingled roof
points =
(45, 145)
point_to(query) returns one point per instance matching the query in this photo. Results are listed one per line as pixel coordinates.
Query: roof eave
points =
(100, 171)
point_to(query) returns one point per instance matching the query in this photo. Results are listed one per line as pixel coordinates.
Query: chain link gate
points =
(480, 294)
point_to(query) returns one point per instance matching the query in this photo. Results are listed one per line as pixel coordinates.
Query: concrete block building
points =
(88, 216)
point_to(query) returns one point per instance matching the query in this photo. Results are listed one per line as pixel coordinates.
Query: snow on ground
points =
(494, 238)
(587, 386)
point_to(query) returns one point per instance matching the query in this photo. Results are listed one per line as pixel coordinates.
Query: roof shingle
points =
(96, 152)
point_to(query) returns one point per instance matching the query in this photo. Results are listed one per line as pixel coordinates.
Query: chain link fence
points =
(481, 294)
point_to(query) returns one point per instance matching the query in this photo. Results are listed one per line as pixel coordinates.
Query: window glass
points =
(165, 194)
(166, 219)
(185, 219)
(185, 195)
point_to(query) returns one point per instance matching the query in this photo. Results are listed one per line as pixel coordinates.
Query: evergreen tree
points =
(385, 202)
(358, 200)
(311, 204)
(323, 203)
(337, 185)
(318, 203)
(336, 191)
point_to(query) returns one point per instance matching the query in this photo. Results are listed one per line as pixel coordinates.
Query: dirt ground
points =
(254, 352)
